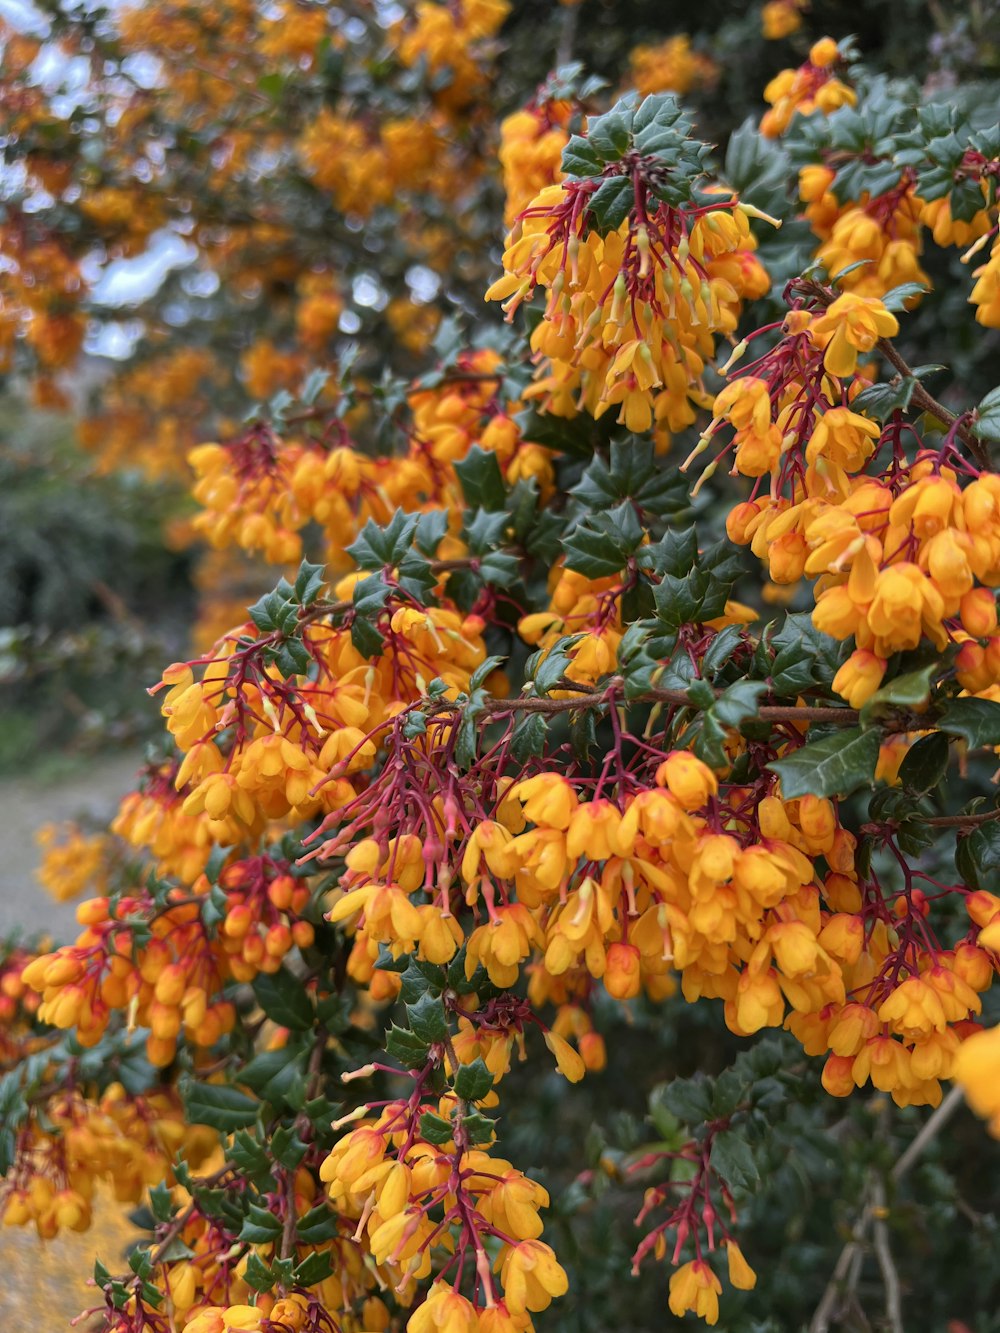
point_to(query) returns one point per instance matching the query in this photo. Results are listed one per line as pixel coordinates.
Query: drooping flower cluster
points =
(900, 555)
(813, 87)
(631, 312)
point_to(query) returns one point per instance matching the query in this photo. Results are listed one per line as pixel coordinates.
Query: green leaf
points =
(732, 1159)
(834, 766)
(897, 297)
(283, 999)
(315, 1267)
(271, 1073)
(406, 1047)
(528, 739)
(580, 159)
(738, 702)
(481, 479)
(258, 1275)
(925, 763)
(376, 547)
(308, 582)
(977, 856)
(219, 1106)
(550, 672)
(251, 1158)
(485, 669)
(434, 1129)
(611, 204)
(634, 473)
(975, 721)
(611, 133)
(427, 1018)
(689, 1099)
(260, 1226)
(911, 690)
(987, 422)
(480, 1128)
(881, 400)
(365, 637)
(286, 1147)
(602, 543)
(473, 1081)
(319, 1224)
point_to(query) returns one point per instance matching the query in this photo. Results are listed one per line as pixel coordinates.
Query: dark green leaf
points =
(834, 766)
(733, 1160)
(219, 1106)
(283, 998)
(976, 721)
(427, 1019)
(473, 1081)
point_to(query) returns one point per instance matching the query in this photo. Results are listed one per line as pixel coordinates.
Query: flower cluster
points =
(813, 87)
(901, 555)
(631, 315)
(63, 1154)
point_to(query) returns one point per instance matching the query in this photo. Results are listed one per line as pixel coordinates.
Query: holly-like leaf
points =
(427, 1019)
(975, 721)
(834, 766)
(977, 856)
(481, 479)
(611, 203)
(732, 1159)
(435, 1129)
(283, 998)
(260, 1226)
(257, 1273)
(911, 690)
(689, 1099)
(221, 1107)
(987, 417)
(406, 1046)
(473, 1081)
(315, 1267)
(528, 739)
(896, 298)
(925, 763)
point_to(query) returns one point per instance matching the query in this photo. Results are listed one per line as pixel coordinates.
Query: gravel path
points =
(43, 1286)
(94, 791)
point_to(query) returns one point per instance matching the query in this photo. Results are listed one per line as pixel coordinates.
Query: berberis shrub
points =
(625, 699)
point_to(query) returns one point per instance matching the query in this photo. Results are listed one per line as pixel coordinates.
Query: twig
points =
(962, 821)
(883, 1253)
(851, 1254)
(847, 717)
(840, 1277)
(931, 1129)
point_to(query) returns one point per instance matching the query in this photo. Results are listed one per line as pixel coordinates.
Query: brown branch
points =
(593, 698)
(962, 821)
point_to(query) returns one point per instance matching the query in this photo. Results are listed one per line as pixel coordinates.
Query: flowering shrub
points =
(550, 729)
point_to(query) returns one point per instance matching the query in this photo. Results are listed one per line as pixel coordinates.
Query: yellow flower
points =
(977, 1070)
(859, 677)
(531, 1276)
(695, 1287)
(852, 324)
(741, 1275)
(444, 1311)
(568, 1062)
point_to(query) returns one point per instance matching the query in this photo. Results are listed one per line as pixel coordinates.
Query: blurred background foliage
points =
(91, 599)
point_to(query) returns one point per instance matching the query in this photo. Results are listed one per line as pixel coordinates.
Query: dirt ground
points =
(43, 1287)
(93, 791)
